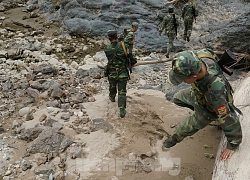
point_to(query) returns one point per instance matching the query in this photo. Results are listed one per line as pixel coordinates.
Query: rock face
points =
(228, 21)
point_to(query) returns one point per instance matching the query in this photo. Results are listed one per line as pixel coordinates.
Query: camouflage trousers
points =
(200, 119)
(118, 82)
(171, 37)
(188, 25)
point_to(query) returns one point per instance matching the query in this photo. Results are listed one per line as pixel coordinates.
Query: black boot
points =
(122, 112)
(112, 99)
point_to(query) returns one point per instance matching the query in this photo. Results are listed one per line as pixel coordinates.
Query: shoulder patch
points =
(222, 110)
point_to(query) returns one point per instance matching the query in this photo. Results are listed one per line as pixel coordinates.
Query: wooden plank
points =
(237, 168)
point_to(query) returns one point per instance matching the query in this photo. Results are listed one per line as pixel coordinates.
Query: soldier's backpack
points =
(227, 59)
(122, 36)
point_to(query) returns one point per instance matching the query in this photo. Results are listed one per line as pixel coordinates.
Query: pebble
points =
(7, 173)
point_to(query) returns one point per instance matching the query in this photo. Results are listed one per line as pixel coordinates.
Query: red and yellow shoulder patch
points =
(222, 110)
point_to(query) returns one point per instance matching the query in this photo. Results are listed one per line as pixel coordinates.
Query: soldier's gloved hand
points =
(159, 33)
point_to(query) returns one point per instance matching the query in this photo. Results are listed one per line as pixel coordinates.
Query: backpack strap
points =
(205, 55)
(124, 49)
(230, 98)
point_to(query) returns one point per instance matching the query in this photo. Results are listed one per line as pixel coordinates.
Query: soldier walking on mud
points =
(119, 61)
(189, 14)
(170, 23)
(210, 97)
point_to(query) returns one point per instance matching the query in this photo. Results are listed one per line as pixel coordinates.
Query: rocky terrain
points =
(56, 121)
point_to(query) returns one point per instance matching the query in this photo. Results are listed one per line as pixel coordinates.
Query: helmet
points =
(184, 65)
(135, 25)
(171, 9)
(112, 34)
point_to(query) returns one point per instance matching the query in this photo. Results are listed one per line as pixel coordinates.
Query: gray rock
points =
(57, 92)
(16, 124)
(26, 165)
(50, 140)
(24, 111)
(30, 134)
(33, 92)
(54, 103)
(57, 126)
(3, 54)
(65, 116)
(98, 124)
(36, 85)
(82, 73)
(75, 152)
(45, 171)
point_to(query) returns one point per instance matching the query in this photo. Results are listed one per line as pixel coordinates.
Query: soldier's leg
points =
(171, 38)
(185, 98)
(122, 96)
(189, 28)
(200, 119)
(185, 30)
(112, 89)
(188, 127)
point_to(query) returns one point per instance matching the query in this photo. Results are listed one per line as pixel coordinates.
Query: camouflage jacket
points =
(189, 11)
(117, 59)
(129, 37)
(214, 94)
(169, 22)
(214, 91)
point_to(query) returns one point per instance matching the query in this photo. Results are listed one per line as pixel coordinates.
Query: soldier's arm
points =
(129, 38)
(217, 96)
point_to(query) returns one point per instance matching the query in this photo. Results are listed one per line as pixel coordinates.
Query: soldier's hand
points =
(226, 154)
(159, 33)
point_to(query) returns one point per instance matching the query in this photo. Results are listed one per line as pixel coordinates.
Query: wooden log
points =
(154, 62)
(170, 2)
(239, 55)
(245, 55)
(237, 168)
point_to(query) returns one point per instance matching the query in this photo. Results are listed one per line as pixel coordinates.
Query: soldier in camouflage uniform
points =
(117, 70)
(210, 97)
(161, 14)
(130, 36)
(170, 23)
(189, 14)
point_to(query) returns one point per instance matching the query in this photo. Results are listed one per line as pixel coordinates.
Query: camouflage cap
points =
(135, 24)
(184, 65)
(112, 34)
